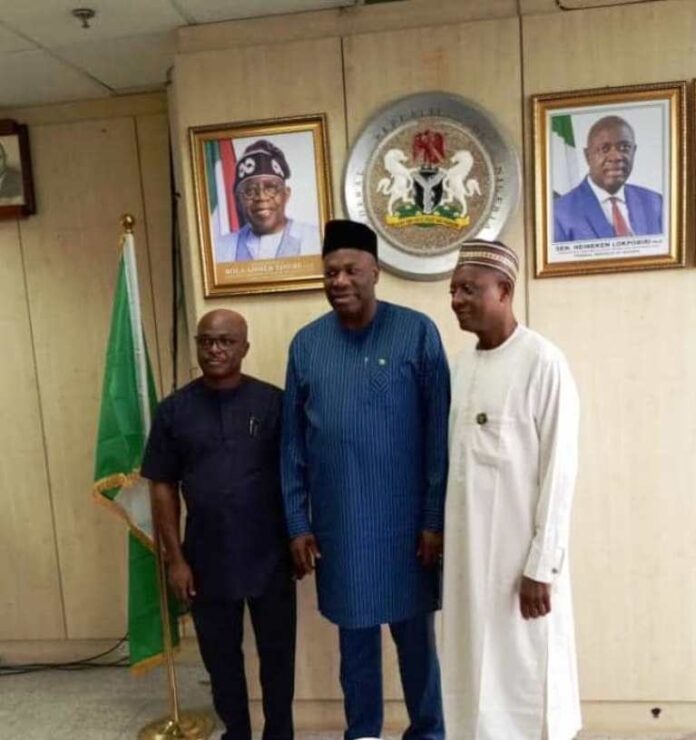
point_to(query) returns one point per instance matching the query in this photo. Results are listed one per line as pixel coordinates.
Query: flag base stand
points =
(193, 724)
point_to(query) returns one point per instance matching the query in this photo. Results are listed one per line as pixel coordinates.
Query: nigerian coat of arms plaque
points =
(428, 172)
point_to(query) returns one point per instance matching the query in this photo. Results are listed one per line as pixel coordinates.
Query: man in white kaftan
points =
(509, 667)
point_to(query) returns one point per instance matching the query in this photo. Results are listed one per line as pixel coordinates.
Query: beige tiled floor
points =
(109, 704)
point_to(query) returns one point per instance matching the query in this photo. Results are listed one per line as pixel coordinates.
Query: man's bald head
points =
(222, 319)
(222, 345)
(609, 122)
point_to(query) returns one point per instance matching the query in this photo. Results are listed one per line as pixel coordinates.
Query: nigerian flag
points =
(564, 155)
(221, 174)
(127, 404)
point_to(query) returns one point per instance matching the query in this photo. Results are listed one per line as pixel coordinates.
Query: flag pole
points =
(190, 724)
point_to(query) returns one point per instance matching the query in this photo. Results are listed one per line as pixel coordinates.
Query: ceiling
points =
(46, 56)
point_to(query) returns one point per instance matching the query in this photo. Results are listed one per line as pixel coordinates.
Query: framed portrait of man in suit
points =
(610, 179)
(16, 185)
(262, 197)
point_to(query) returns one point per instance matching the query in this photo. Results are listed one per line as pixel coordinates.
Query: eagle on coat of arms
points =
(434, 192)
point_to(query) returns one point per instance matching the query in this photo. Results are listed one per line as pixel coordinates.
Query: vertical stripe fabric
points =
(364, 460)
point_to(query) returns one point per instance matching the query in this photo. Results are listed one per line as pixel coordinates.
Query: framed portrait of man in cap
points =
(262, 198)
(610, 179)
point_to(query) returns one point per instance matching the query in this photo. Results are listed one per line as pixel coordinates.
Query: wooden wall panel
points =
(377, 68)
(153, 152)
(630, 341)
(86, 176)
(30, 600)
(248, 84)
(431, 59)
(479, 61)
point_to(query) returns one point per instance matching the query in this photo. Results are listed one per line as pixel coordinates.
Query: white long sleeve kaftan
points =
(513, 459)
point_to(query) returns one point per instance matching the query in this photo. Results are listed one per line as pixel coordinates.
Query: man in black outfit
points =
(218, 438)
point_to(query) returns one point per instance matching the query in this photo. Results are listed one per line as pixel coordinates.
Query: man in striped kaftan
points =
(364, 465)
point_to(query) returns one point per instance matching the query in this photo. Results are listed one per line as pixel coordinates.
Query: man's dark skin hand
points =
(166, 512)
(535, 598)
(305, 553)
(430, 548)
(180, 579)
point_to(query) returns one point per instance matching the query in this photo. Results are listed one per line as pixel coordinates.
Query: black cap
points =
(262, 158)
(344, 234)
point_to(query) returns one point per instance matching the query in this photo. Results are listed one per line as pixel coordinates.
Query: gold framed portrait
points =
(611, 184)
(263, 195)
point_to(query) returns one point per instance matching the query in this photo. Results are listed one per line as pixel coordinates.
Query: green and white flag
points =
(127, 405)
(564, 155)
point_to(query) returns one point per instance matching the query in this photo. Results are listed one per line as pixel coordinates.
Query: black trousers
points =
(219, 627)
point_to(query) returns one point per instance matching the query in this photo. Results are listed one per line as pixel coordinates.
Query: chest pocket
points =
(380, 380)
(253, 443)
(488, 433)
(247, 427)
(386, 382)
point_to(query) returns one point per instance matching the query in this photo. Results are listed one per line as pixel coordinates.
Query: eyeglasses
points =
(224, 341)
(272, 189)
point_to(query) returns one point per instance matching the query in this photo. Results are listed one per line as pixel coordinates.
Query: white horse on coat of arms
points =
(399, 187)
(455, 186)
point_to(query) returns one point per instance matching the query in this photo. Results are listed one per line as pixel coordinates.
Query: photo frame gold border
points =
(317, 124)
(677, 93)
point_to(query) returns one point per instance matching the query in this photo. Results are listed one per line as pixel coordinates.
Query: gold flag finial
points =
(127, 222)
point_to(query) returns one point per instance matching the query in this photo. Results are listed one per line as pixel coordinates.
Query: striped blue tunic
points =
(364, 460)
